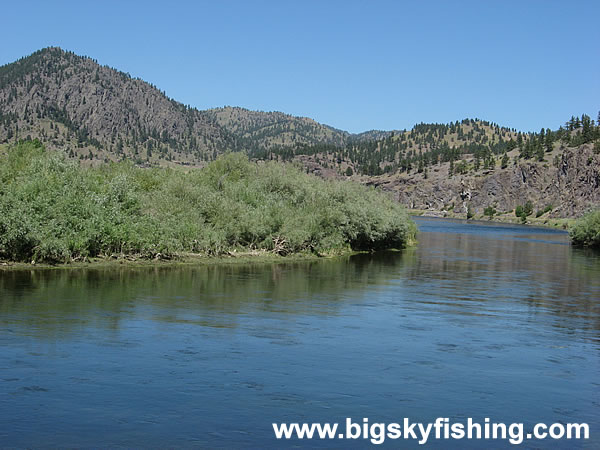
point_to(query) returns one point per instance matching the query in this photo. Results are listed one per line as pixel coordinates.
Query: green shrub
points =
(586, 231)
(489, 211)
(470, 212)
(541, 212)
(524, 211)
(51, 209)
(519, 211)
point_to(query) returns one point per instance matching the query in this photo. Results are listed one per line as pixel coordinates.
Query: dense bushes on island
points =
(54, 210)
(586, 231)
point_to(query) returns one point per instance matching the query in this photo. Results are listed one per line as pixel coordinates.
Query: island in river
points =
(54, 210)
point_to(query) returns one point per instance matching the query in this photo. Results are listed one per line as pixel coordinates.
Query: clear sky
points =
(355, 65)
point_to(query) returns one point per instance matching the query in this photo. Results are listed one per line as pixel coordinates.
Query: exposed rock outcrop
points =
(571, 187)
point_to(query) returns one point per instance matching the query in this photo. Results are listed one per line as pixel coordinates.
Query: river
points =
(479, 320)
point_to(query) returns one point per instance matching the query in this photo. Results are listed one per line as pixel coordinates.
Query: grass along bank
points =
(52, 210)
(179, 260)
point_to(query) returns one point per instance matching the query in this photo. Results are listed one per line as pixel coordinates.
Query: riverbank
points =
(187, 259)
(549, 222)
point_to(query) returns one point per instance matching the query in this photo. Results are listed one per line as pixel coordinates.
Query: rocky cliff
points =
(569, 181)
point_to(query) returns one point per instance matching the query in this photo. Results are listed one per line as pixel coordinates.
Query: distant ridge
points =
(95, 112)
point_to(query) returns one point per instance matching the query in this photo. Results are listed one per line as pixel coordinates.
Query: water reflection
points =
(537, 269)
(56, 301)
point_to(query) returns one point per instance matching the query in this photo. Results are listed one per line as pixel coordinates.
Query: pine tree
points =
(549, 141)
(470, 212)
(539, 152)
(525, 152)
(587, 128)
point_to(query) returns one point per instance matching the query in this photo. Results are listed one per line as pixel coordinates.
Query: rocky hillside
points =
(473, 166)
(565, 184)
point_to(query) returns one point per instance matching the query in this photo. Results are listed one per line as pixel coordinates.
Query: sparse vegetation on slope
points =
(470, 146)
(54, 210)
(258, 131)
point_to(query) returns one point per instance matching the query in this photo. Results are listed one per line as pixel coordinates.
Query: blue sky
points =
(355, 65)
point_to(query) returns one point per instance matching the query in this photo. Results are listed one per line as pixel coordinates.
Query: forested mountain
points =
(548, 174)
(403, 151)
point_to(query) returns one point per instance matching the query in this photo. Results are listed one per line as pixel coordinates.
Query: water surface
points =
(479, 320)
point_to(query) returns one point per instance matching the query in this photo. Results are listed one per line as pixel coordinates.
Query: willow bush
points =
(54, 210)
(586, 231)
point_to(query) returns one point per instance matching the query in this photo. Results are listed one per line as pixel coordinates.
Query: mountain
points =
(71, 102)
(373, 135)
(96, 113)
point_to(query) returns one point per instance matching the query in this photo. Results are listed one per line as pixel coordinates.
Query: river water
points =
(479, 320)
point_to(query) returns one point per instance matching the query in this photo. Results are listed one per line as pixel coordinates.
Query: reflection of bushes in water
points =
(584, 263)
(552, 277)
(470, 253)
(53, 210)
(578, 291)
(50, 299)
(586, 259)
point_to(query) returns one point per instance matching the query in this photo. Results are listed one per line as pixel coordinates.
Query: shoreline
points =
(264, 257)
(187, 260)
(554, 223)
